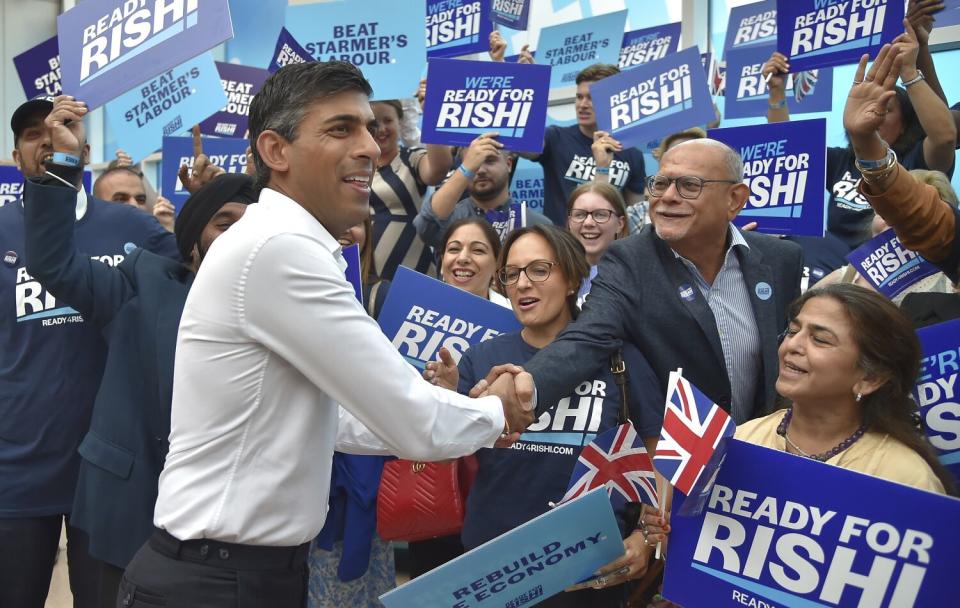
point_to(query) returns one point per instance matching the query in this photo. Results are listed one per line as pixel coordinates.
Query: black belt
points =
(229, 555)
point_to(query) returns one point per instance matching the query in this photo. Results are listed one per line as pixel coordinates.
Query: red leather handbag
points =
(421, 500)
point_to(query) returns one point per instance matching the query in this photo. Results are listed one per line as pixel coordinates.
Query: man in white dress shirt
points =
(271, 340)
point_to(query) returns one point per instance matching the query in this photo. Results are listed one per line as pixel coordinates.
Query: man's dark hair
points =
(287, 95)
(111, 170)
(597, 71)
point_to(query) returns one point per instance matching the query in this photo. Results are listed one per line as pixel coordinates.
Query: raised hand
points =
(164, 212)
(906, 46)
(777, 67)
(124, 159)
(920, 14)
(480, 149)
(498, 46)
(525, 55)
(64, 121)
(203, 170)
(870, 94)
(421, 93)
(251, 167)
(603, 147)
(443, 372)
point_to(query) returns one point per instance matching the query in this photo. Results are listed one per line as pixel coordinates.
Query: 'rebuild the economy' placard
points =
(937, 392)
(467, 98)
(825, 33)
(784, 166)
(381, 37)
(524, 566)
(779, 530)
(422, 314)
(107, 47)
(654, 99)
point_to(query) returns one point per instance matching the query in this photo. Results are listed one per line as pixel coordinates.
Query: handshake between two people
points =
(510, 383)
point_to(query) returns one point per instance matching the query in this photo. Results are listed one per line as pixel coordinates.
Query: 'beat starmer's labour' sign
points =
(107, 47)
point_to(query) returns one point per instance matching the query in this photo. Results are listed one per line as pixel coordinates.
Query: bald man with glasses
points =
(690, 291)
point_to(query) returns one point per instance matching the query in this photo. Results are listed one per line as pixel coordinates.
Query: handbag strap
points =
(619, 369)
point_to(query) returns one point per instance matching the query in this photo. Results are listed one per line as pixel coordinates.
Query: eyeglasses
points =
(537, 271)
(688, 186)
(600, 216)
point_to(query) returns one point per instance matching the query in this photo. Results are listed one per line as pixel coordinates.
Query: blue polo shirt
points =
(52, 359)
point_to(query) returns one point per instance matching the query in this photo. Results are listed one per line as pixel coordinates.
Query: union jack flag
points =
(693, 427)
(804, 84)
(616, 459)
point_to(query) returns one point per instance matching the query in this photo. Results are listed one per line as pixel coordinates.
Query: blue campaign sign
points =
(467, 98)
(889, 266)
(351, 255)
(510, 13)
(525, 566)
(287, 51)
(527, 185)
(457, 27)
(649, 44)
(227, 152)
(378, 36)
(11, 183)
(39, 69)
(167, 105)
(508, 220)
(784, 166)
(751, 25)
(746, 91)
(781, 530)
(937, 392)
(240, 83)
(825, 33)
(109, 46)
(571, 47)
(422, 314)
(654, 99)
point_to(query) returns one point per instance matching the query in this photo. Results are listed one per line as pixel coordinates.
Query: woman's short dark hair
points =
(287, 95)
(609, 193)
(912, 130)
(571, 256)
(889, 349)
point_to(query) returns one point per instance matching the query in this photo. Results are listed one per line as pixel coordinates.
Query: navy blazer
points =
(636, 297)
(137, 305)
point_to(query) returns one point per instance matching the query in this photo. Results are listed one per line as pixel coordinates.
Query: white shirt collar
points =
(310, 223)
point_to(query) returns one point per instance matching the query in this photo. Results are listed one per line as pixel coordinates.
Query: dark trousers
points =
(210, 574)
(28, 550)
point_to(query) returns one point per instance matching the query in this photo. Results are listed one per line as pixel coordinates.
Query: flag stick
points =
(663, 506)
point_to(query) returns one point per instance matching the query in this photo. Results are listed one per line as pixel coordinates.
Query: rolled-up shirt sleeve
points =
(298, 304)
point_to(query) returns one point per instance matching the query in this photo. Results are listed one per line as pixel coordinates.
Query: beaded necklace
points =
(843, 445)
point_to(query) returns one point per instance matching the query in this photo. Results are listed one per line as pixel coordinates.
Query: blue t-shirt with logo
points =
(849, 214)
(52, 360)
(515, 484)
(568, 162)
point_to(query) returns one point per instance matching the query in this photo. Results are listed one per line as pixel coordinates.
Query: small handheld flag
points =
(616, 459)
(693, 427)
